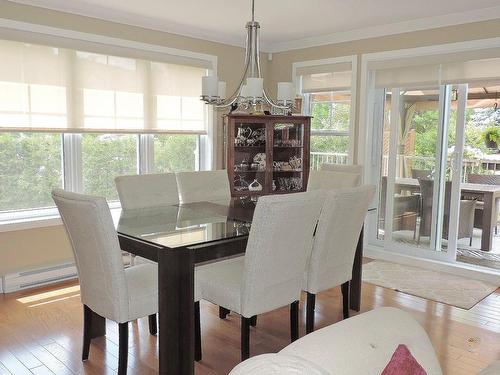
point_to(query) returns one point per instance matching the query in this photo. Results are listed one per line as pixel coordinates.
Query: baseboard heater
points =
(42, 276)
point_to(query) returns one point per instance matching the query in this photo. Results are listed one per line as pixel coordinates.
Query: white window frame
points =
(353, 60)
(368, 141)
(71, 143)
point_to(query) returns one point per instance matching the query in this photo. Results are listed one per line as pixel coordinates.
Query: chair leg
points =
(345, 298)
(197, 332)
(470, 241)
(153, 328)
(253, 321)
(245, 338)
(223, 312)
(122, 348)
(87, 329)
(294, 321)
(311, 304)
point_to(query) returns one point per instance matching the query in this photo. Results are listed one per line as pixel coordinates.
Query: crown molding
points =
(389, 29)
(130, 19)
(152, 23)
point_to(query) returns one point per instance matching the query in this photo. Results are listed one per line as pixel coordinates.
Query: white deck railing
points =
(411, 161)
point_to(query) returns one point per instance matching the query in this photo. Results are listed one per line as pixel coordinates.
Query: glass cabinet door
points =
(250, 158)
(288, 158)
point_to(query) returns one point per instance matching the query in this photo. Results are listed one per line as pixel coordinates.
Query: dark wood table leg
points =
(176, 311)
(98, 325)
(355, 285)
(488, 220)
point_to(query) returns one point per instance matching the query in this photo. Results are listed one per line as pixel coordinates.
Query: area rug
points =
(437, 286)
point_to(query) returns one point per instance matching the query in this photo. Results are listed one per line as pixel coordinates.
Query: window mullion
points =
(72, 161)
(145, 153)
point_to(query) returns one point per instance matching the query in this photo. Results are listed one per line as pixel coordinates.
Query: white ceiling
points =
(285, 24)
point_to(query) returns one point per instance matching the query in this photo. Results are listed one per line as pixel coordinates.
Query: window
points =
(176, 153)
(329, 127)
(104, 157)
(327, 88)
(75, 119)
(30, 167)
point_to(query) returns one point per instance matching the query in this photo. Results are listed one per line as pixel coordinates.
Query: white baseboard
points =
(14, 282)
(459, 269)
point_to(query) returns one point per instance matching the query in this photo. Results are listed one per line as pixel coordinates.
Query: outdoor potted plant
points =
(492, 137)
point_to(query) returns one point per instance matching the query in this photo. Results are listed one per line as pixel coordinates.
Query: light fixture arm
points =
(252, 69)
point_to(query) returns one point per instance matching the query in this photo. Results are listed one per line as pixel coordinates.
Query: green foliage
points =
(426, 126)
(31, 164)
(330, 117)
(175, 153)
(30, 167)
(104, 157)
(492, 134)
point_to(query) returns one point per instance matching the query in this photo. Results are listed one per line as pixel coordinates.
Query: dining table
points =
(180, 237)
(489, 194)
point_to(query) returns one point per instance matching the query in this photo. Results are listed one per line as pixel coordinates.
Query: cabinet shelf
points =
(277, 133)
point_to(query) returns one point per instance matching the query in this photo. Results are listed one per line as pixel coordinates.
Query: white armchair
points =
(107, 289)
(334, 246)
(270, 274)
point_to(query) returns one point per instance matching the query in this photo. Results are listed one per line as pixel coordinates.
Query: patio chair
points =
(487, 179)
(421, 173)
(405, 210)
(466, 217)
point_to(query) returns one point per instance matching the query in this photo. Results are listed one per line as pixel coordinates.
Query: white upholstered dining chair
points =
(146, 191)
(203, 186)
(270, 274)
(106, 288)
(335, 176)
(334, 245)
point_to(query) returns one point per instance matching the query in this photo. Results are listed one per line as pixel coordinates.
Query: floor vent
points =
(34, 278)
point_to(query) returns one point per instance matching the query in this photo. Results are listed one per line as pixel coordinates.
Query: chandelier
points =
(250, 92)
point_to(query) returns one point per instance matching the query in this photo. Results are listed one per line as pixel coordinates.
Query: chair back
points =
(487, 179)
(147, 190)
(344, 168)
(278, 247)
(331, 180)
(98, 257)
(466, 211)
(203, 186)
(336, 238)
(421, 173)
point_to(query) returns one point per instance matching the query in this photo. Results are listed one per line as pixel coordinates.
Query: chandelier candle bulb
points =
(255, 87)
(221, 90)
(209, 86)
(286, 91)
(244, 91)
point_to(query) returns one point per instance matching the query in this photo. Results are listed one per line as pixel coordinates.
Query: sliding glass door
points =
(418, 169)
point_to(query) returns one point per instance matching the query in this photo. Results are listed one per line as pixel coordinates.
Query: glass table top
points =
(188, 224)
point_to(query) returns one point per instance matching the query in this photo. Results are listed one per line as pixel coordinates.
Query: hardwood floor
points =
(41, 333)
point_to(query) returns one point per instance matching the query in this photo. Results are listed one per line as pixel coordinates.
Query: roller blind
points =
(462, 67)
(327, 77)
(49, 88)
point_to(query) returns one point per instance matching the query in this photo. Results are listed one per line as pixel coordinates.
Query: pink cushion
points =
(403, 363)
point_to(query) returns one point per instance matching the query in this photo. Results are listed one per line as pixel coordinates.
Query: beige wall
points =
(280, 68)
(30, 248)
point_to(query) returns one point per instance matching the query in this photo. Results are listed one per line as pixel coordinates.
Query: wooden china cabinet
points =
(267, 154)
